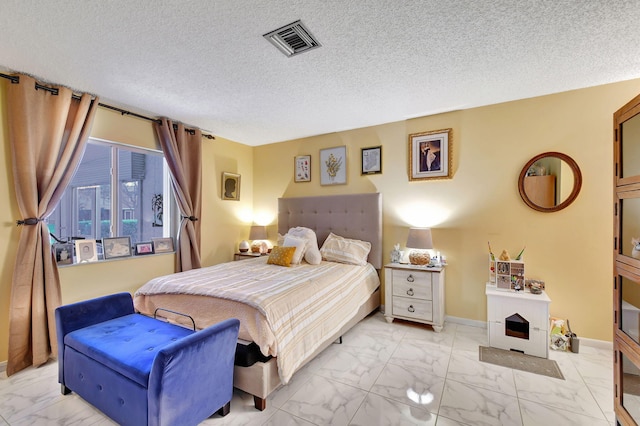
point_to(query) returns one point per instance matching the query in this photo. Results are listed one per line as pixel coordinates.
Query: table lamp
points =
(257, 234)
(420, 240)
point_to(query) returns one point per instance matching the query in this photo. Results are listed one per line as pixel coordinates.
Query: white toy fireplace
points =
(518, 321)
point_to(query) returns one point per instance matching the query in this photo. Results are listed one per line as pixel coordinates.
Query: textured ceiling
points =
(205, 62)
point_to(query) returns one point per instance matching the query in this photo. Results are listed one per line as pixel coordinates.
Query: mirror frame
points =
(577, 182)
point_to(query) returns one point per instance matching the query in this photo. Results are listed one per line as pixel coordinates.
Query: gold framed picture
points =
(430, 155)
(230, 186)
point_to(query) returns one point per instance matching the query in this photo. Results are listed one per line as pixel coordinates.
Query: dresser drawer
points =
(412, 284)
(412, 308)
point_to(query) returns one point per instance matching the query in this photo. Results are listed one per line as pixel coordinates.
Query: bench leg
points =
(225, 409)
(259, 403)
(65, 390)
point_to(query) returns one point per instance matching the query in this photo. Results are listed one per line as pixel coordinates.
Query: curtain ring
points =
(29, 221)
(191, 218)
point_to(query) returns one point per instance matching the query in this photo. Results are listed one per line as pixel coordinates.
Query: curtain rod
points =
(15, 79)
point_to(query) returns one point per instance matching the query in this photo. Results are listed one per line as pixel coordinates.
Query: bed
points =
(313, 306)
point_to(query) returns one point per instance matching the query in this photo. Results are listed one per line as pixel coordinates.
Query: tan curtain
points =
(183, 152)
(48, 133)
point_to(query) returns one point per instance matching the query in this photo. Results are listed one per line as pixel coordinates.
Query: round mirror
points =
(550, 182)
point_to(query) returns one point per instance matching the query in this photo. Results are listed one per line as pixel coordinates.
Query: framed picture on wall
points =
(430, 155)
(372, 160)
(302, 168)
(333, 166)
(230, 186)
(116, 247)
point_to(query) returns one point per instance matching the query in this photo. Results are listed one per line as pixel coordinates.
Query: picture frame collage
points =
(92, 250)
(429, 155)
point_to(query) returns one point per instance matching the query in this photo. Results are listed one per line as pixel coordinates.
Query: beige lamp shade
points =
(419, 238)
(258, 232)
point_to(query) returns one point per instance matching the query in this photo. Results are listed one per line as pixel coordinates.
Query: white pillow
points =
(312, 252)
(299, 244)
(345, 250)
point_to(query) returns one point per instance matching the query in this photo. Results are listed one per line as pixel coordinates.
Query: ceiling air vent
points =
(292, 39)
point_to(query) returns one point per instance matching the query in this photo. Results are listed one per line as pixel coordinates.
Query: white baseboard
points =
(585, 341)
(465, 321)
(600, 344)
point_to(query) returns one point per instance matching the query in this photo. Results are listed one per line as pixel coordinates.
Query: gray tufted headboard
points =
(357, 216)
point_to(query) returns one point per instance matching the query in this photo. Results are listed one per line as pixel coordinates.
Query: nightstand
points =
(414, 293)
(247, 255)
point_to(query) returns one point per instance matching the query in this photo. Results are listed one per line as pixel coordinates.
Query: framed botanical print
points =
(372, 160)
(302, 168)
(230, 186)
(333, 166)
(430, 155)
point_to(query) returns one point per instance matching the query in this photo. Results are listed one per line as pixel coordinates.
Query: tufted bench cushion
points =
(127, 344)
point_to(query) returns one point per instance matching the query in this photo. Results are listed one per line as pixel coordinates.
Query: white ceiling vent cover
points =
(292, 39)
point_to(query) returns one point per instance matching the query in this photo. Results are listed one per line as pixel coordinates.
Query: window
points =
(118, 190)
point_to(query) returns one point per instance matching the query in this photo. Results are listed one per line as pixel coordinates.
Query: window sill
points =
(114, 259)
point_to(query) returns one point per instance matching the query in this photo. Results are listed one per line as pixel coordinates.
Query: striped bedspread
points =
(303, 304)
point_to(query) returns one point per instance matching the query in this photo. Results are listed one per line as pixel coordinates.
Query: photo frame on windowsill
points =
(86, 251)
(64, 253)
(144, 248)
(162, 245)
(116, 247)
(430, 155)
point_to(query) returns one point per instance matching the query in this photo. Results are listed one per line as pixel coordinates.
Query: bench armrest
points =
(88, 312)
(206, 355)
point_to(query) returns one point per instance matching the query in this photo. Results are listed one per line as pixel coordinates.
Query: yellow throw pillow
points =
(281, 256)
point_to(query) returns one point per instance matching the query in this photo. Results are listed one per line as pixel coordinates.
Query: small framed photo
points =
(333, 166)
(144, 248)
(302, 168)
(86, 251)
(372, 160)
(64, 253)
(116, 247)
(230, 186)
(162, 245)
(430, 155)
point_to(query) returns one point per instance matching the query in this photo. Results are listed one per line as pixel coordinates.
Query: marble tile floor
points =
(382, 374)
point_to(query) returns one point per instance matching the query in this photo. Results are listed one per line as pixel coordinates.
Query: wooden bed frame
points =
(357, 216)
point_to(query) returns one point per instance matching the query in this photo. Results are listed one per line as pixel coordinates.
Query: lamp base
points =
(419, 257)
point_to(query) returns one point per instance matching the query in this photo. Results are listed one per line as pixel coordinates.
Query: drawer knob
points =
(411, 308)
(410, 292)
(410, 278)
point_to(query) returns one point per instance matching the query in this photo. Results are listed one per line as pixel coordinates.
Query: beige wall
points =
(570, 249)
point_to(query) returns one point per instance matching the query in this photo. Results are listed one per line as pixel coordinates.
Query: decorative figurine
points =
(396, 254)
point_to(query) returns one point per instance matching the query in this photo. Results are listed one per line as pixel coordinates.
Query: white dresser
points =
(518, 321)
(414, 293)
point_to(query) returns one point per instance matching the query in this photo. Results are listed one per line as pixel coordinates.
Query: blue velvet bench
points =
(142, 371)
